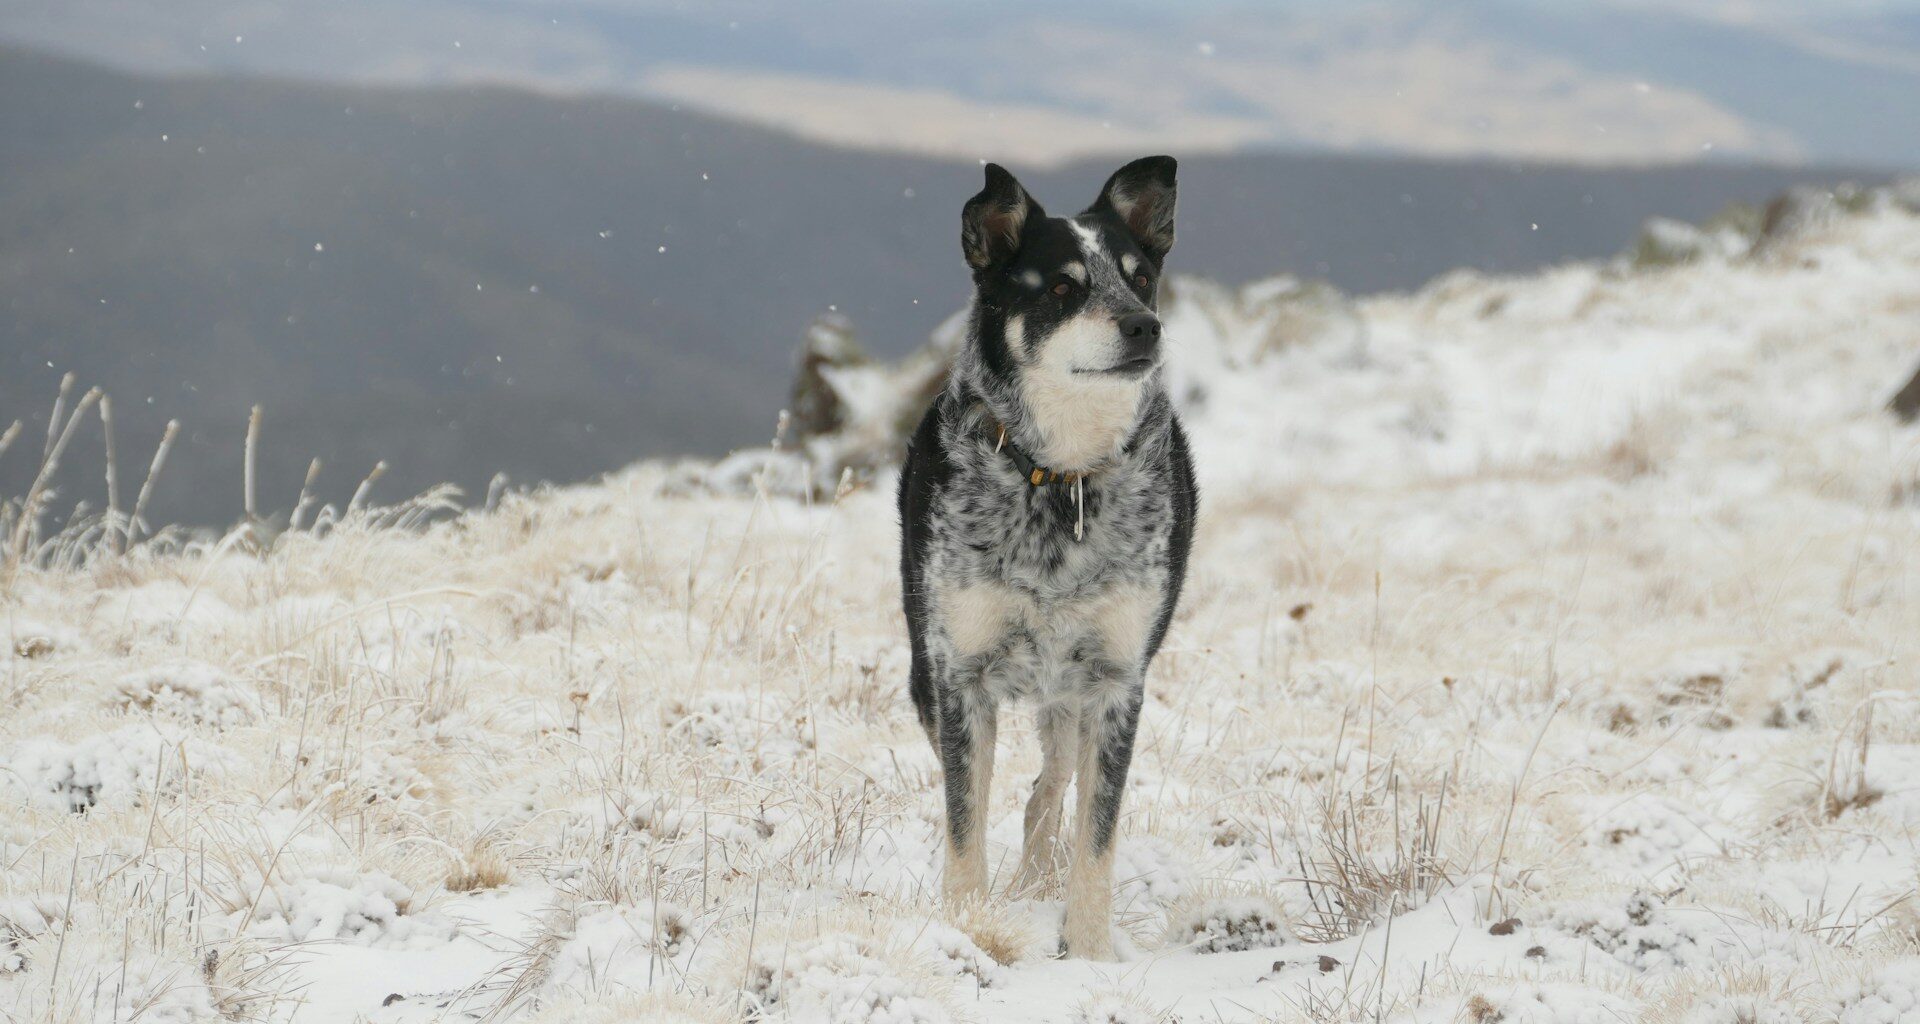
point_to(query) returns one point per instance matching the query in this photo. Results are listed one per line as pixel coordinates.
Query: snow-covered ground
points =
(1549, 656)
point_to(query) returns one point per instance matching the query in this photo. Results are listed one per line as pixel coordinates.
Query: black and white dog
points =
(1046, 510)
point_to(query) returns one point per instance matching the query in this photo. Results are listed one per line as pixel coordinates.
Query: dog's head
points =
(1064, 306)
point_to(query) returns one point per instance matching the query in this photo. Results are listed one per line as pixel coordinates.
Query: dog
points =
(1047, 506)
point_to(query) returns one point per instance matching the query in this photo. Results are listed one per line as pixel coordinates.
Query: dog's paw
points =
(965, 880)
(1090, 940)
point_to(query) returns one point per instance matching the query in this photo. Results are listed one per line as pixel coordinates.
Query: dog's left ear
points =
(1141, 194)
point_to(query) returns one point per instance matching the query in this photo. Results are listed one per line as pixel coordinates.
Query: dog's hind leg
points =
(1058, 723)
(967, 723)
(1109, 720)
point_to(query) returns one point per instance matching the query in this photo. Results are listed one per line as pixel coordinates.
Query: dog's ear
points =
(1141, 194)
(992, 221)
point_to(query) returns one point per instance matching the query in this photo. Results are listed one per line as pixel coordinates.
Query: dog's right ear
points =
(992, 221)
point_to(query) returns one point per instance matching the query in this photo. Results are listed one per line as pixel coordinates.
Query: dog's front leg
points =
(1058, 723)
(967, 728)
(1109, 719)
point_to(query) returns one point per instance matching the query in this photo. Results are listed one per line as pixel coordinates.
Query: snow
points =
(364, 909)
(192, 691)
(619, 946)
(119, 768)
(1547, 657)
(1890, 995)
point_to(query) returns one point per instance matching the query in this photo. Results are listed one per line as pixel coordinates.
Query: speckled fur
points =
(1002, 600)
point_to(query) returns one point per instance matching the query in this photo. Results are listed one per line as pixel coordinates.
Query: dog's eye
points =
(1062, 289)
(1140, 280)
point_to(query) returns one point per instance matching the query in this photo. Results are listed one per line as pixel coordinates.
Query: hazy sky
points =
(1619, 81)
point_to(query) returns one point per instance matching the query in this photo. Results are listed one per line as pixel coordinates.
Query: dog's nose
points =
(1140, 334)
(1140, 325)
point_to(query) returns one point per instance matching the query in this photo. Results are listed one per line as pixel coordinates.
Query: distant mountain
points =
(1605, 81)
(472, 280)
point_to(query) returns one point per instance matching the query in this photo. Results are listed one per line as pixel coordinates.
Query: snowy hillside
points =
(1549, 656)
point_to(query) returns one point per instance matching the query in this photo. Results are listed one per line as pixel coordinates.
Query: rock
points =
(815, 405)
(1905, 194)
(748, 470)
(1743, 219)
(850, 414)
(1805, 207)
(1290, 311)
(1665, 242)
(876, 407)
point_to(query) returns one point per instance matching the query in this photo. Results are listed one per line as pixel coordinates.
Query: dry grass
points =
(1375, 860)
(479, 870)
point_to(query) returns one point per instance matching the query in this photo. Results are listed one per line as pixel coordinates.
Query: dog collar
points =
(1035, 474)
